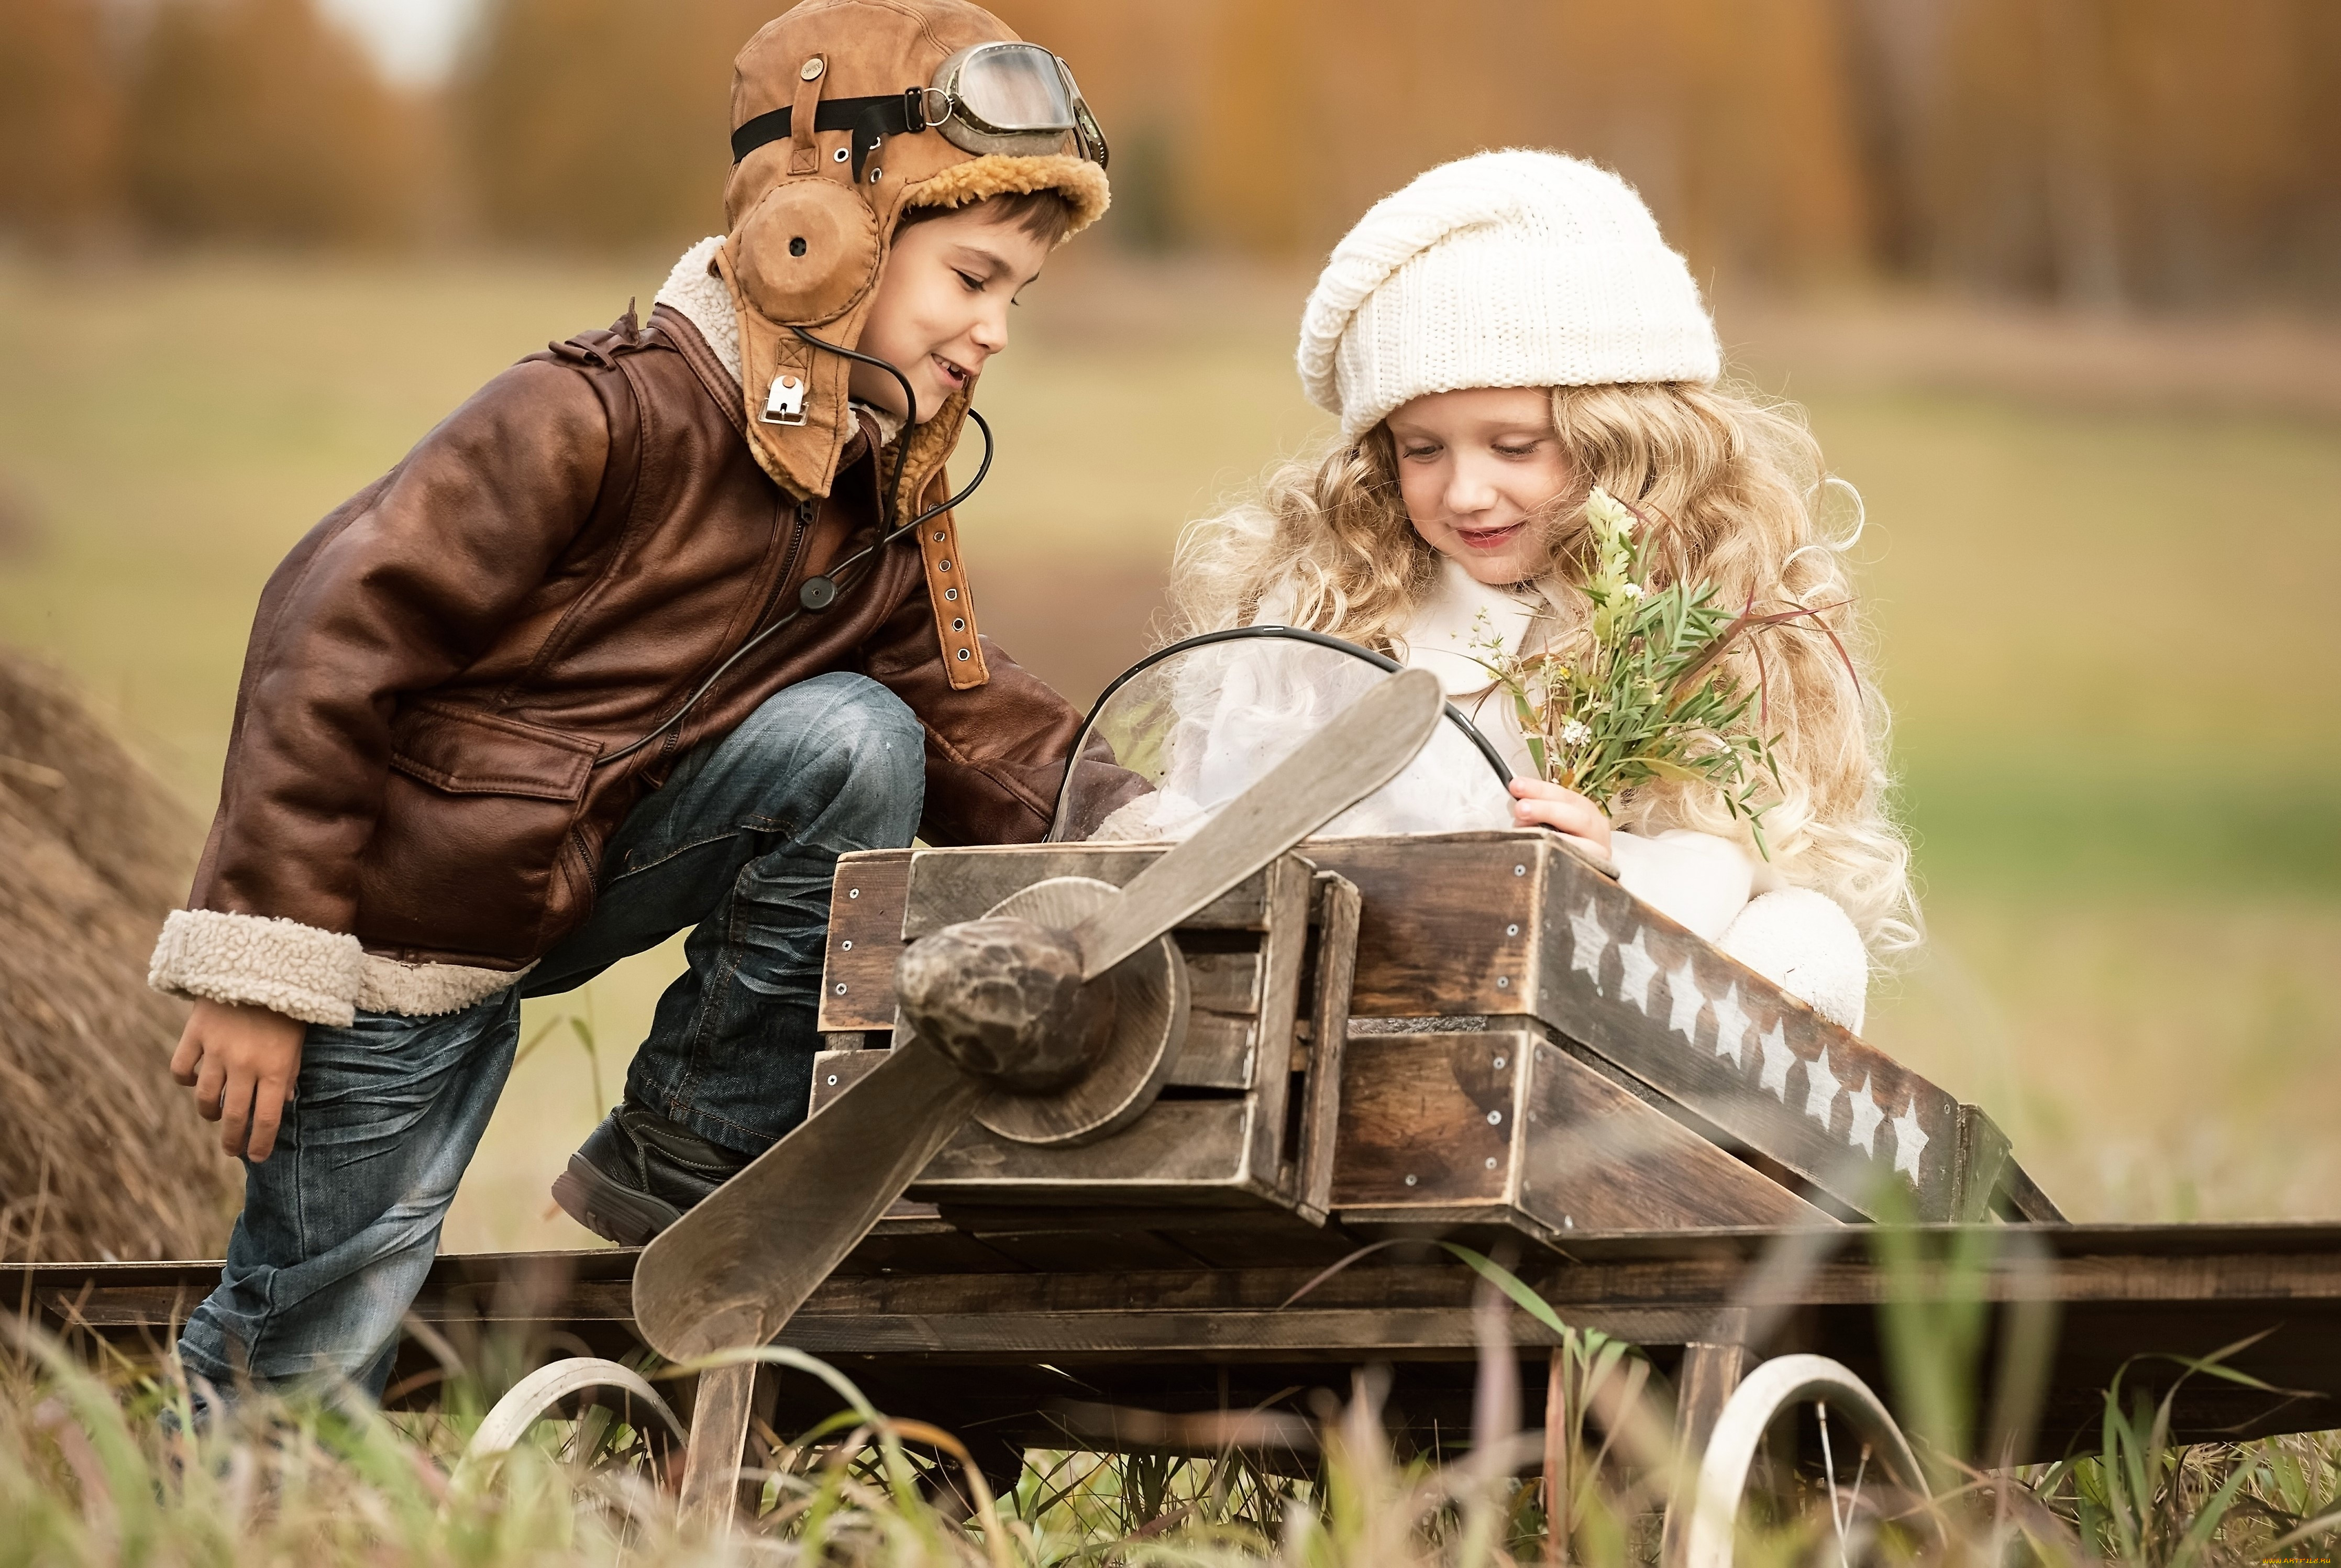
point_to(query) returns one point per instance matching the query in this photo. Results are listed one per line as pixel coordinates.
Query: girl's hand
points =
(1536, 804)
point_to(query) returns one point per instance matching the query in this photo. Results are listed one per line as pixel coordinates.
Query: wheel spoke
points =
(1829, 1469)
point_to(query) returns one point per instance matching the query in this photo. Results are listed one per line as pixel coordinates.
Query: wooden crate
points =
(1246, 1119)
(1649, 1047)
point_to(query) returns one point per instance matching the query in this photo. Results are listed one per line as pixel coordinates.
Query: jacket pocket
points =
(465, 862)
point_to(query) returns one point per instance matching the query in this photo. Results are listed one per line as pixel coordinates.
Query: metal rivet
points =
(852, 892)
(962, 654)
(832, 1080)
(1409, 1181)
(1500, 1061)
(1491, 1159)
(1520, 871)
(1495, 1118)
(942, 566)
(958, 622)
(839, 988)
(811, 70)
(939, 536)
(1511, 931)
(846, 946)
(1503, 983)
(841, 155)
(950, 592)
(874, 173)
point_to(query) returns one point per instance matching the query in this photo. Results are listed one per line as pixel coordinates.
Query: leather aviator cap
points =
(810, 214)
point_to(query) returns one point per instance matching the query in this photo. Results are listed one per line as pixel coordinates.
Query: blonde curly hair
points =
(1732, 488)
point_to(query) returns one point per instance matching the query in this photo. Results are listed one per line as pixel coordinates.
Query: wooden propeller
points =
(1053, 1019)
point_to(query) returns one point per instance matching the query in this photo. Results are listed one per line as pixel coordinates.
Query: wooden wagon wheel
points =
(608, 1393)
(1868, 1473)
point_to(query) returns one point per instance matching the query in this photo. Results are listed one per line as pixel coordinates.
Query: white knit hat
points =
(1517, 268)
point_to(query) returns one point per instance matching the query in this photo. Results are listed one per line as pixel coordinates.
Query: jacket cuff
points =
(429, 989)
(259, 961)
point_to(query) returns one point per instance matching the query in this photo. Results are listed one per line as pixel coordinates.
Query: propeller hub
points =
(1003, 999)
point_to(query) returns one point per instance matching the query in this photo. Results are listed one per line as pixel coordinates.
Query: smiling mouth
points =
(1490, 538)
(953, 377)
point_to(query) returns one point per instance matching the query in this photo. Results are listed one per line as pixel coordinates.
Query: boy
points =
(626, 647)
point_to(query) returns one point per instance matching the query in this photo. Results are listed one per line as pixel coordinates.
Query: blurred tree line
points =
(2094, 151)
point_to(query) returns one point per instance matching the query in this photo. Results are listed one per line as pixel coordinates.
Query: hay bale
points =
(101, 1154)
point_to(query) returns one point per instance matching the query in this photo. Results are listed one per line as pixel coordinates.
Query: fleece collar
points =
(1459, 611)
(694, 292)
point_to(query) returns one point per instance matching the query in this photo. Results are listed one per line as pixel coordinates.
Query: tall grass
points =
(109, 1465)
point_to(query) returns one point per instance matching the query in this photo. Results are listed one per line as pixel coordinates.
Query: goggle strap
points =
(871, 118)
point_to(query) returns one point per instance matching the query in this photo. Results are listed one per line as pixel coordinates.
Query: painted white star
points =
(1867, 1119)
(1682, 1014)
(1821, 1088)
(1591, 942)
(1909, 1142)
(1730, 1024)
(1778, 1060)
(1634, 985)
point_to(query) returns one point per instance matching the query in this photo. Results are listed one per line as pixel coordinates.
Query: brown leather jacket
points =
(435, 668)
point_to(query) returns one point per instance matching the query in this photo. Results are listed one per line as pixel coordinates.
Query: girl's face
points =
(1475, 468)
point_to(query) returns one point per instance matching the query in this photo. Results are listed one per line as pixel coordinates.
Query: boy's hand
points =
(1536, 804)
(240, 1062)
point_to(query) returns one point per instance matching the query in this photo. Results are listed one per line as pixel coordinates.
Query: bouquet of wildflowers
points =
(1645, 695)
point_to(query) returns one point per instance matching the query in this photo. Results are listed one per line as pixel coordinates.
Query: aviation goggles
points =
(1016, 99)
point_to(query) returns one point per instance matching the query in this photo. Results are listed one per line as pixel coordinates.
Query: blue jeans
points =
(341, 1224)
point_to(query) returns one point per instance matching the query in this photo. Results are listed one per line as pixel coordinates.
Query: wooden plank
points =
(717, 1446)
(1217, 1053)
(1329, 1029)
(1982, 1153)
(954, 884)
(2026, 1200)
(866, 938)
(1290, 885)
(1712, 1366)
(1180, 1151)
(913, 1239)
(1433, 1124)
(1445, 917)
(1259, 1236)
(1414, 1131)
(1224, 982)
(1593, 1157)
(1711, 1372)
(835, 1071)
(1056, 1247)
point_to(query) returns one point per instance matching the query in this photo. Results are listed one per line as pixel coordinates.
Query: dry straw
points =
(100, 1156)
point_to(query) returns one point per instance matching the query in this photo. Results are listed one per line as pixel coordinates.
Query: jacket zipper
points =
(806, 512)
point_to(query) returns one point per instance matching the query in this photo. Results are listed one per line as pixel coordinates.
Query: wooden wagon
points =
(1370, 1047)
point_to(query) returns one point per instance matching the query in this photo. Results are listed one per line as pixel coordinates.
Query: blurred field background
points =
(2059, 282)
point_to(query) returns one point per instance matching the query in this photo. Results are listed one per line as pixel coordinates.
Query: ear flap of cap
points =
(801, 456)
(806, 253)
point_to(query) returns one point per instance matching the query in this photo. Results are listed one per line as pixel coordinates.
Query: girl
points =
(1498, 338)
